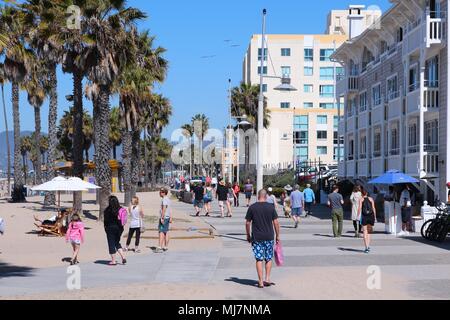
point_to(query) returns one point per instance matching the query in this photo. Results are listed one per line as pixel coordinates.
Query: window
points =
(399, 34)
(301, 153)
(286, 71)
(377, 143)
(308, 88)
(260, 55)
(363, 148)
(325, 54)
(392, 88)
(432, 72)
(327, 105)
(431, 136)
(327, 91)
(264, 88)
(351, 149)
(301, 123)
(322, 151)
(363, 102)
(336, 122)
(376, 95)
(321, 135)
(309, 54)
(301, 137)
(322, 119)
(308, 105)
(309, 71)
(412, 138)
(285, 52)
(413, 80)
(327, 73)
(395, 148)
(264, 70)
(340, 73)
(285, 105)
(338, 153)
(351, 110)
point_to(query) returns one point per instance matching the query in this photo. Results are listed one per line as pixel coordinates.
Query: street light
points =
(240, 123)
(285, 86)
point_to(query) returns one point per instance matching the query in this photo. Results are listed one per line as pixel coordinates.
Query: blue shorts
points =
(164, 227)
(296, 211)
(263, 250)
(198, 203)
(248, 195)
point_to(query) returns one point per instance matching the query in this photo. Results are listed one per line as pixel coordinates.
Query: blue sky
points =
(190, 30)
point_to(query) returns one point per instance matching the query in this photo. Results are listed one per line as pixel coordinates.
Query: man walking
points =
(198, 192)
(248, 190)
(405, 202)
(262, 219)
(335, 202)
(297, 204)
(310, 199)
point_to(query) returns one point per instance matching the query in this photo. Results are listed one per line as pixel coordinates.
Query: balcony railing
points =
(395, 152)
(431, 148)
(431, 98)
(362, 156)
(413, 149)
(393, 95)
(353, 83)
(377, 154)
(431, 163)
(413, 87)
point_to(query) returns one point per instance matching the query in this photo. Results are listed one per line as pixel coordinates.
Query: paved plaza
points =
(316, 266)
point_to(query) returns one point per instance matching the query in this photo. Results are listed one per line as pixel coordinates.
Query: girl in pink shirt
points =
(75, 234)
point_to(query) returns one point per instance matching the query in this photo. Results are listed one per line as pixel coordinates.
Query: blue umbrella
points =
(393, 177)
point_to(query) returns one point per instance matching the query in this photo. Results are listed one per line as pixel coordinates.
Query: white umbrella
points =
(59, 184)
(77, 182)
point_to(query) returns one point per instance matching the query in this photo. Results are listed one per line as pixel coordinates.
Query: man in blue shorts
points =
(262, 221)
(297, 204)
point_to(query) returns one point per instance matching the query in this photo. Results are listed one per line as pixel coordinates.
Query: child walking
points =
(75, 235)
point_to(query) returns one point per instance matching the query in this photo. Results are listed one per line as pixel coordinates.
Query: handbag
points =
(142, 226)
(279, 257)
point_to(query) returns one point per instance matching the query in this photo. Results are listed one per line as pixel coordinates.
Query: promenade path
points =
(317, 266)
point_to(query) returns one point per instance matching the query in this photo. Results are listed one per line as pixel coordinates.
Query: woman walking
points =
(231, 199)
(367, 212)
(236, 189)
(136, 223)
(355, 198)
(114, 230)
(208, 198)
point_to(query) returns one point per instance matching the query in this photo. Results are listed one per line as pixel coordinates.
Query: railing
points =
(413, 87)
(392, 50)
(340, 77)
(413, 149)
(435, 27)
(350, 157)
(377, 154)
(395, 152)
(393, 95)
(431, 98)
(353, 83)
(432, 148)
(431, 163)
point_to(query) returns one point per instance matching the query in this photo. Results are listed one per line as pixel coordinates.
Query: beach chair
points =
(56, 229)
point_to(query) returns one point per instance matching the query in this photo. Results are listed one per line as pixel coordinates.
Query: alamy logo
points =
(73, 22)
(374, 279)
(74, 280)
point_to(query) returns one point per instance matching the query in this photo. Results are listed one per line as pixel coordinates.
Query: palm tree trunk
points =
(103, 148)
(8, 148)
(78, 136)
(114, 147)
(135, 161)
(146, 159)
(153, 161)
(24, 166)
(126, 159)
(37, 145)
(18, 170)
(50, 198)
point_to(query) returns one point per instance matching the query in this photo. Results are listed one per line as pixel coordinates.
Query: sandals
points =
(260, 286)
(112, 263)
(268, 284)
(124, 261)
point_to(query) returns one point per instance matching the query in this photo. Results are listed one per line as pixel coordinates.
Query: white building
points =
(304, 123)
(394, 94)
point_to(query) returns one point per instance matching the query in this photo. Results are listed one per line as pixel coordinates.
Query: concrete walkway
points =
(317, 265)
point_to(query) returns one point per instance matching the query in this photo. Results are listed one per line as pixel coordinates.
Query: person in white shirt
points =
(136, 223)
(405, 203)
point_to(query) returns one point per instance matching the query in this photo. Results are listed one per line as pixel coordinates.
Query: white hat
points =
(270, 189)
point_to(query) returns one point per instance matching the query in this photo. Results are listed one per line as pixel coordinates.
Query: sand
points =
(21, 246)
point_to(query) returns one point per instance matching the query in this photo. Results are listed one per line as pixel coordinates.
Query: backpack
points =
(367, 209)
(123, 216)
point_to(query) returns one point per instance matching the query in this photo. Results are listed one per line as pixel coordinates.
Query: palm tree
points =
(25, 147)
(156, 118)
(198, 127)
(244, 101)
(35, 84)
(106, 24)
(12, 46)
(8, 148)
(88, 134)
(115, 135)
(45, 18)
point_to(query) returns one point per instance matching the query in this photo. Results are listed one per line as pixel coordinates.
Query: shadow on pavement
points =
(229, 237)
(244, 282)
(441, 245)
(7, 271)
(351, 250)
(89, 215)
(330, 236)
(103, 262)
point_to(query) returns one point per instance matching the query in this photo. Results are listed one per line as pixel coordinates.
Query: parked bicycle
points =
(438, 228)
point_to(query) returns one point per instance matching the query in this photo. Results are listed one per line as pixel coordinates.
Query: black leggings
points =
(357, 225)
(236, 200)
(113, 235)
(130, 236)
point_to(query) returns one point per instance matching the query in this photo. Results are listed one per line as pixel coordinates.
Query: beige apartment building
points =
(394, 96)
(304, 123)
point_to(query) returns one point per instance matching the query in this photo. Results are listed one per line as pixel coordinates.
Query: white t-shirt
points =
(165, 202)
(135, 213)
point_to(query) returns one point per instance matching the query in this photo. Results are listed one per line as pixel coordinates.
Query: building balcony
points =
(394, 105)
(394, 162)
(363, 167)
(431, 163)
(412, 99)
(351, 124)
(347, 84)
(431, 98)
(377, 114)
(341, 169)
(435, 28)
(351, 168)
(377, 167)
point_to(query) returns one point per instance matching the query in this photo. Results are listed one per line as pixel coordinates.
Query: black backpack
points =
(367, 209)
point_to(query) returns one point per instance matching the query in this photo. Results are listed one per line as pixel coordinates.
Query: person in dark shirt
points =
(114, 230)
(222, 196)
(199, 193)
(262, 225)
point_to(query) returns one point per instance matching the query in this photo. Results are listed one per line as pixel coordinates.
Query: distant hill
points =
(3, 151)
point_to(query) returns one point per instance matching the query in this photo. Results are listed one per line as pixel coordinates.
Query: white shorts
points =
(221, 203)
(75, 241)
